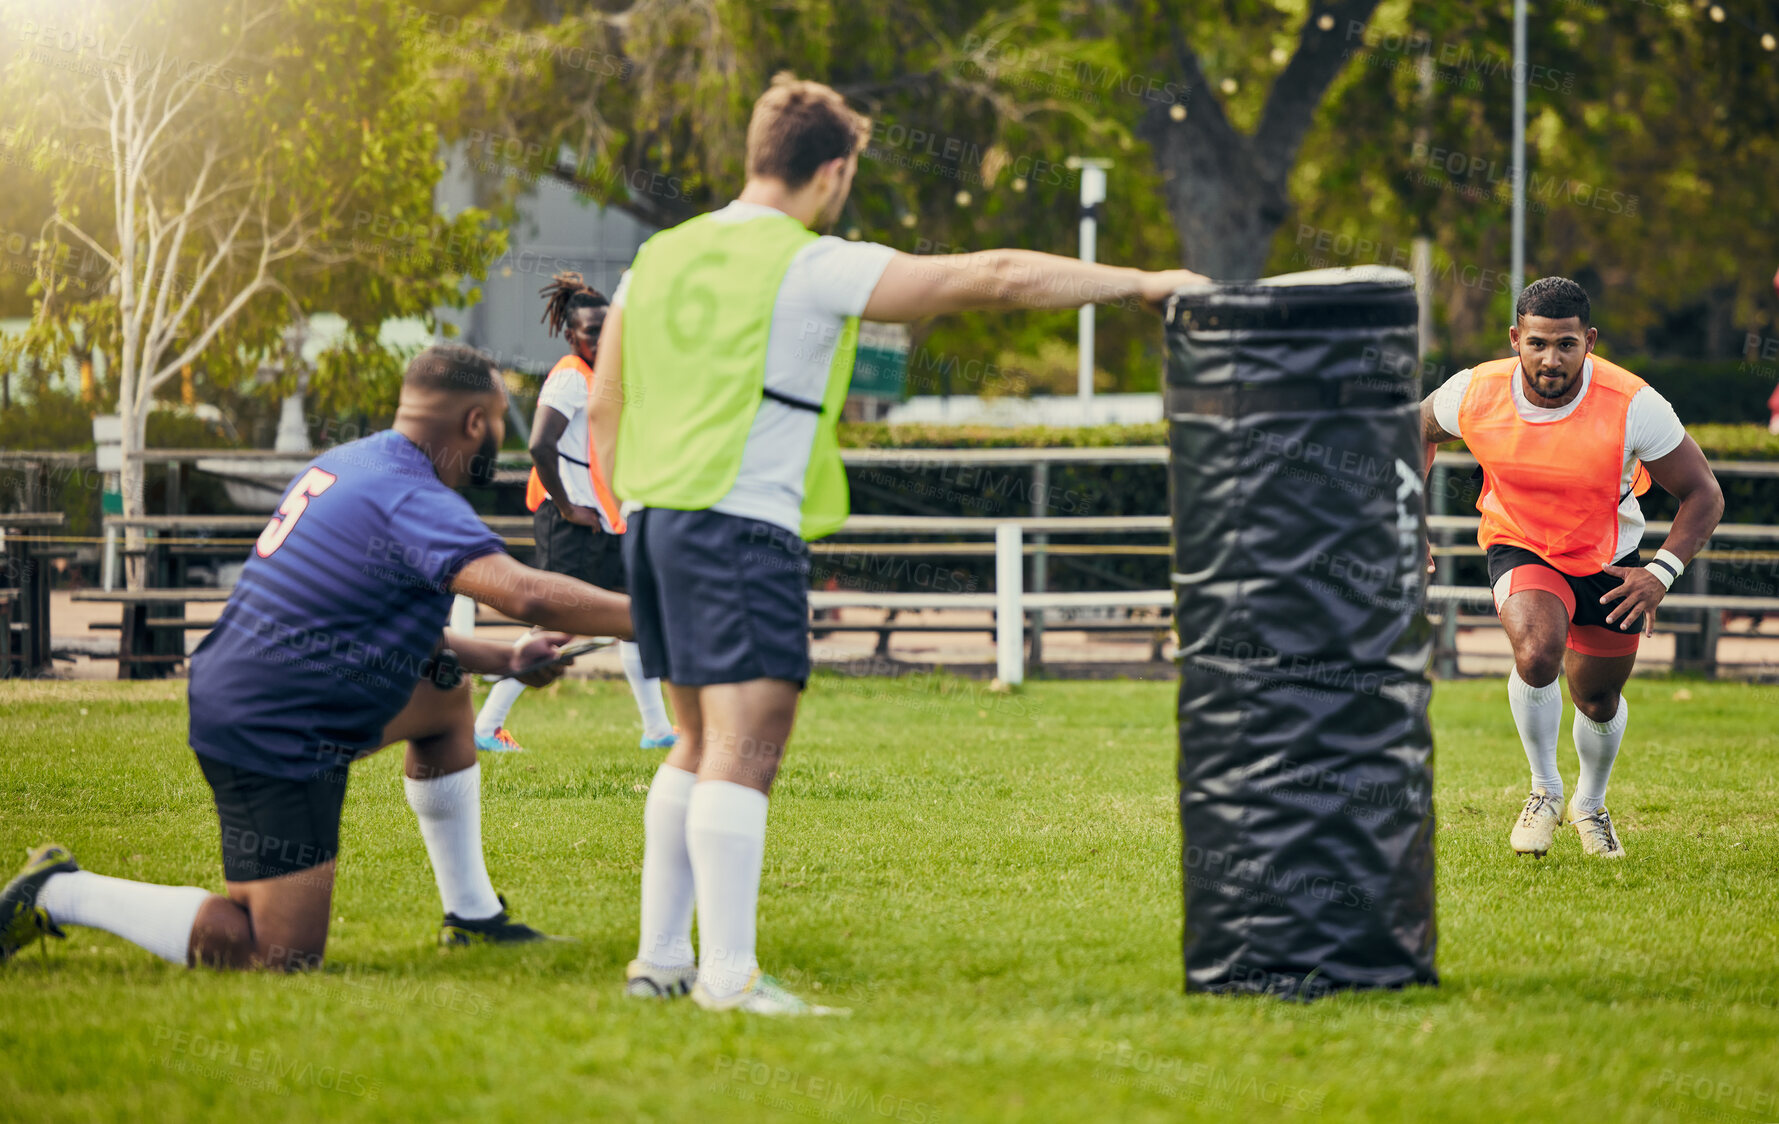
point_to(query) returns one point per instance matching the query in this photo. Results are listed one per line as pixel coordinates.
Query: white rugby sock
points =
(496, 706)
(655, 723)
(450, 812)
(666, 940)
(158, 918)
(726, 837)
(1596, 743)
(1538, 713)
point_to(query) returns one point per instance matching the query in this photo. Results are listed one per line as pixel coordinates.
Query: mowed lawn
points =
(991, 884)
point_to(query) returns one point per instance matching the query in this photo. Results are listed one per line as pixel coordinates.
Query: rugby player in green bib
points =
(724, 366)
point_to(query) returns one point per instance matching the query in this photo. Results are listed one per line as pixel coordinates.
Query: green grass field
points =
(993, 885)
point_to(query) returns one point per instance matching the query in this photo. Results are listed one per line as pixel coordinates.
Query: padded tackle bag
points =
(1295, 480)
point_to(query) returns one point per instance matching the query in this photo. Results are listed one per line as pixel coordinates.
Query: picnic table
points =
(151, 644)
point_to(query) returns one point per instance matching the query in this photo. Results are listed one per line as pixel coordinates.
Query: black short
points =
(273, 826)
(1586, 590)
(717, 598)
(587, 553)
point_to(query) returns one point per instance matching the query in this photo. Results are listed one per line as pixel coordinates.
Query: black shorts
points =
(273, 826)
(1513, 568)
(587, 553)
(717, 598)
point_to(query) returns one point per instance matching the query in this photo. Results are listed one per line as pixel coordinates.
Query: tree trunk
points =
(1228, 191)
(131, 481)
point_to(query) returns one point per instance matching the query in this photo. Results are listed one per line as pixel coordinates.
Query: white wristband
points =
(1666, 566)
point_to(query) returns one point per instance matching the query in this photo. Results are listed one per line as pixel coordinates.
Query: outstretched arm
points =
(914, 287)
(554, 601)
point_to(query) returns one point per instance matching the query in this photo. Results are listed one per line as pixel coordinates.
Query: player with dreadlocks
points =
(575, 518)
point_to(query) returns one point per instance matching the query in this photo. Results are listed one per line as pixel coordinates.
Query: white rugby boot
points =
(1537, 824)
(1598, 837)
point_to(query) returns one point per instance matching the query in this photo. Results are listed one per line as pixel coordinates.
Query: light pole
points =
(1518, 271)
(1093, 193)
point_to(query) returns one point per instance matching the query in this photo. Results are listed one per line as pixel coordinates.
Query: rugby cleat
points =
(1537, 824)
(22, 920)
(457, 932)
(499, 742)
(665, 741)
(1598, 836)
(646, 981)
(763, 995)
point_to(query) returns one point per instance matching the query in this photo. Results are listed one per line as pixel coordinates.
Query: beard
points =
(481, 466)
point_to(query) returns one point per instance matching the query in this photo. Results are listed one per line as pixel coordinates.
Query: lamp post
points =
(1093, 193)
(1518, 271)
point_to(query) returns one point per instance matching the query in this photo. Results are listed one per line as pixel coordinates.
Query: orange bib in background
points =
(535, 492)
(1551, 487)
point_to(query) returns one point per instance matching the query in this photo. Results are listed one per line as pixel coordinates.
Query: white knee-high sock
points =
(1596, 743)
(450, 812)
(158, 918)
(655, 722)
(726, 838)
(1538, 713)
(666, 940)
(497, 705)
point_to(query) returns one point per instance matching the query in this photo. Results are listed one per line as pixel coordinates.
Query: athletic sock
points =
(655, 723)
(450, 812)
(666, 940)
(1596, 743)
(496, 706)
(158, 918)
(726, 838)
(1538, 713)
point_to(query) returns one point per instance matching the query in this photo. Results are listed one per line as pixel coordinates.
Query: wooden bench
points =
(151, 643)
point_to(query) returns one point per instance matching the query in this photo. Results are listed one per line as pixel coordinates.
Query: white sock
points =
(159, 918)
(1538, 712)
(1596, 743)
(450, 812)
(726, 838)
(666, 940)
(655, 723)
(496, 706)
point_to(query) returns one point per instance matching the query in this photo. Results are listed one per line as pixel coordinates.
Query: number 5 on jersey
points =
(314, 482)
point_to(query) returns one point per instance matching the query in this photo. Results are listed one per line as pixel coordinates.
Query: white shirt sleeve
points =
(843, 274)
(1448, 400)
(622, 290)
(1652, 429)
(564, 392)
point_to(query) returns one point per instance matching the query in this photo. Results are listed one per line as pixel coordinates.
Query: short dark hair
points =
(797, 126)
(1556, 298)
(453, 368)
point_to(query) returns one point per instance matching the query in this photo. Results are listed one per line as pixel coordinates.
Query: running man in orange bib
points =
(1567, 442)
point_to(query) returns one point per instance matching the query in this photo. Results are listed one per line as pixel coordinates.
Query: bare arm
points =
(554, 601)
(1432, 432)
(914, 287)
(1686, 476)
(491, 657)
(547, 426)
(605, 405)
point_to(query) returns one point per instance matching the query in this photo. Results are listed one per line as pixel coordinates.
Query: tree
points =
(251, 165)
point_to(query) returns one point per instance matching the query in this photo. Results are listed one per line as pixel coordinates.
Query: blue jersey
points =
(341, 600)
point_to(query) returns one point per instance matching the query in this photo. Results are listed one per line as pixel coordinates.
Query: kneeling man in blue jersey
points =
(331, 646)
(725, 363)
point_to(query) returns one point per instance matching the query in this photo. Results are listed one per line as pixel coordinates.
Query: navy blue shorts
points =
(717, 598)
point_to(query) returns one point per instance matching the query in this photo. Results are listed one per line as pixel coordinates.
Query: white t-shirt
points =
(1652, 430)
(565, 392)
(828, 281)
